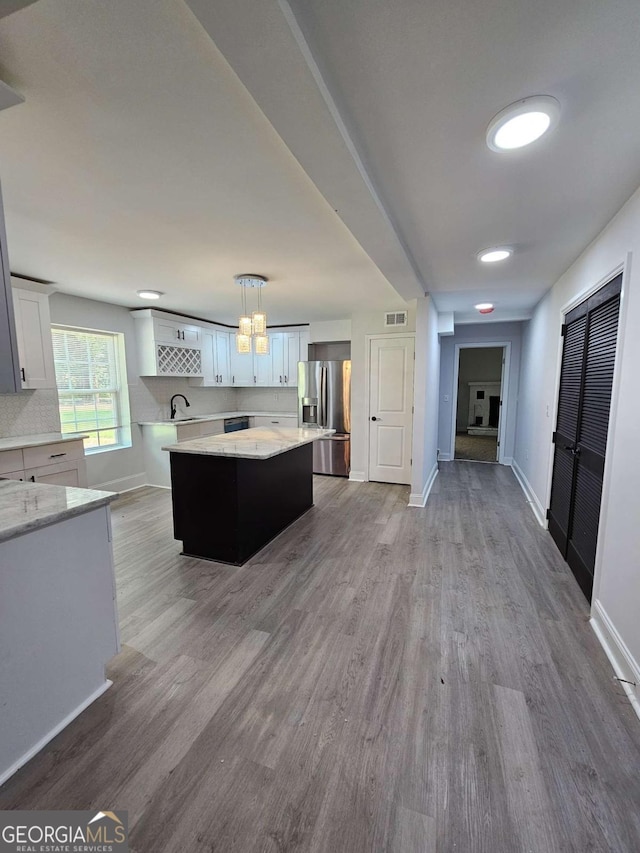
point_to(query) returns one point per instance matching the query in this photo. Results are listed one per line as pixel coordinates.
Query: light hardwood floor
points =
(378, 679)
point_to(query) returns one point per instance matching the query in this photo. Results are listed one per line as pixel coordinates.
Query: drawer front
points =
(10, 460)
(50, 454)
(184, 432)
(212, 428)
(274, 420)
(69, 473)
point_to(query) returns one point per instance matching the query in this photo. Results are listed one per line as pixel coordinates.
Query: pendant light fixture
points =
(252, 327)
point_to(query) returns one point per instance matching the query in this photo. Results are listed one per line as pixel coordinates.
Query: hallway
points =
(378, 679)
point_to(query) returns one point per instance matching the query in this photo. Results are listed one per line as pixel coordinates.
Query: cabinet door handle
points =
(32, 478)
(55, 455)
(23, 374)
(286, 381)
(233, 379)
(281, 380)
(254, 380)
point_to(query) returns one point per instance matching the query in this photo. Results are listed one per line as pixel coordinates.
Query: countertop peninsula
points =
(25, 507)
(217, 416)
(16, 442)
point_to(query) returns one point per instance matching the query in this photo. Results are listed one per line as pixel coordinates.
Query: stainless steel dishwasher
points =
(234, 424)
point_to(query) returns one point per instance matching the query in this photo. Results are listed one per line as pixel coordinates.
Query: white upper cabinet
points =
(216, 367)
(285, 355)
(174, 332)
(241, 365)
(222, 357)
(33, 331)
(167, 346)
(263, 368)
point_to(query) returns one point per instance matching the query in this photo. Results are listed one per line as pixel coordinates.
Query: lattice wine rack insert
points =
(180, 361)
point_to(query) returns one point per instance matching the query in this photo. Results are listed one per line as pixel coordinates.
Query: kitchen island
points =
(233, 493)
(58, 620)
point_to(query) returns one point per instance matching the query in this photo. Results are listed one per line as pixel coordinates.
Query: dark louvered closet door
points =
(584, 401)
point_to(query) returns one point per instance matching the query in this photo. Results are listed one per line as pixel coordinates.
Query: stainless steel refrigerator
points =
(324, 401)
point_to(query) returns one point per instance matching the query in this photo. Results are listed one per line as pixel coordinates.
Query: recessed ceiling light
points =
(522, 123)
(484, 307)
(150, 294)
(497, 253)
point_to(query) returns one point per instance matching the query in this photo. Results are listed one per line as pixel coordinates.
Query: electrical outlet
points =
(446, 398)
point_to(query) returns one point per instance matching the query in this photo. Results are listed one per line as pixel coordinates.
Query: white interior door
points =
(391, 364)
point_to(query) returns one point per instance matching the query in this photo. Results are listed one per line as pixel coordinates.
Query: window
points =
(91, 380)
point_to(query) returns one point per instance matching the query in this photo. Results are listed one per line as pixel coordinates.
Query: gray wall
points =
(480, 333)
(122, 468)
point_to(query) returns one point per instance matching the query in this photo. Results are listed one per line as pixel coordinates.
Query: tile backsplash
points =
(267, 399)
(150, 398)
(32, 412)
(29, 413)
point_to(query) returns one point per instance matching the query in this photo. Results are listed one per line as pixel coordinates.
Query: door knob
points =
(374, 418)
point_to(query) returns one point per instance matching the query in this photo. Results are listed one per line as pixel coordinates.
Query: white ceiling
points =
(348, 152)
(138, 160)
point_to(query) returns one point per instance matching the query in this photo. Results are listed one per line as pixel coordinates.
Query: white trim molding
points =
(624, 664)
(532, 498)
(123, 484)
(420, 500)
(357, 477)
(505, 379)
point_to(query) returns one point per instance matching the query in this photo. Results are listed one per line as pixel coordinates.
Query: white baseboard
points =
(123, 484)
(357, 477)
(532, 498)
(624, 664)
(507, 460)
(13, 768)
(444, 457)
(420, 500)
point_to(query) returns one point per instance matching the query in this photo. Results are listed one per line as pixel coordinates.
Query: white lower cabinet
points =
(62, 464)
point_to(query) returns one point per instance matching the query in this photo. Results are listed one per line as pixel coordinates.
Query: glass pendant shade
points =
(243, 343)
(245, 325)
(259, 321)
(262, 344)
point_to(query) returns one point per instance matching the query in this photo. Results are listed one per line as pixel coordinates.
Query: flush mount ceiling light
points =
(495, 254)
(150, 294)
(484, 307)
(252, 327)
(522, 123)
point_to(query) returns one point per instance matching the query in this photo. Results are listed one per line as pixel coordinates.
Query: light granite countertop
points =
(28, 506)
(217, 416)
(18, 441)
(256, 443)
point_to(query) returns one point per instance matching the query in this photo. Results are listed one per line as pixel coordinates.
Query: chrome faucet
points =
(173, 408)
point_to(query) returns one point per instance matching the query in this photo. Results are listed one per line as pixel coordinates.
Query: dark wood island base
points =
(227, 508)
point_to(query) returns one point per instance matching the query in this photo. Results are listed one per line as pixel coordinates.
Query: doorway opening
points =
(478, 409)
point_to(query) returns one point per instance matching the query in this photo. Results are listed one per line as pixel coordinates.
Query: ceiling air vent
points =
(395, 318)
